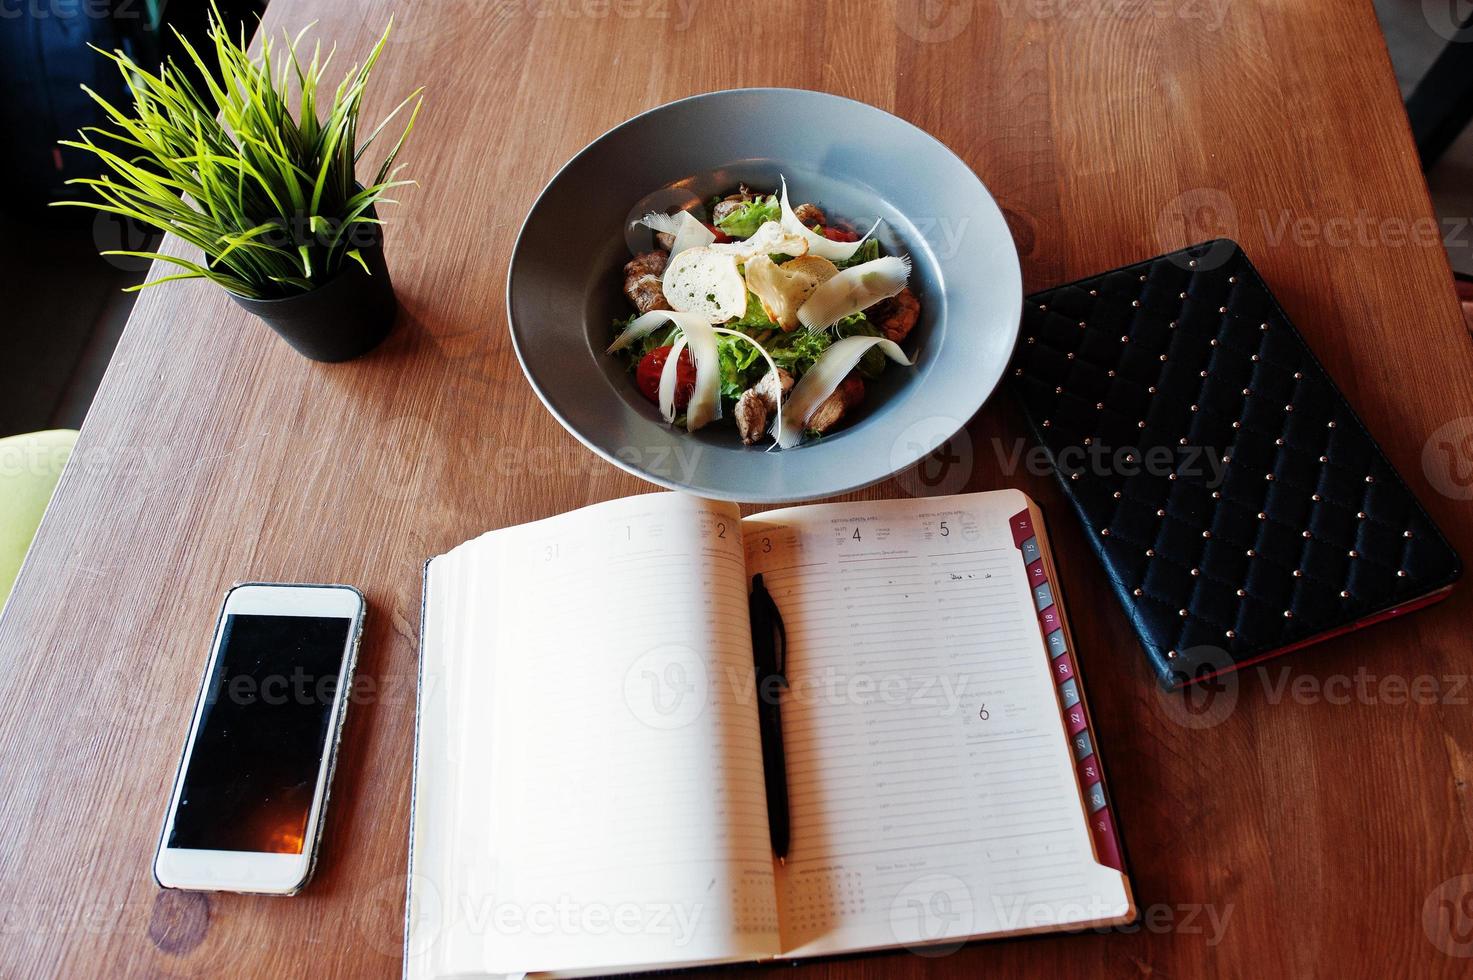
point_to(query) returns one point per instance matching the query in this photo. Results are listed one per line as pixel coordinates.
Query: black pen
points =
(770, 654)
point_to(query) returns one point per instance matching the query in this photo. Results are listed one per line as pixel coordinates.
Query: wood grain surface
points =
(1309, 818)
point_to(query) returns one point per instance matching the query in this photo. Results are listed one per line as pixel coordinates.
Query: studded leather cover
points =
(1238, 504)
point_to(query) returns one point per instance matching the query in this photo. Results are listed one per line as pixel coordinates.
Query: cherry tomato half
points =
(652, 365)
(839, 234)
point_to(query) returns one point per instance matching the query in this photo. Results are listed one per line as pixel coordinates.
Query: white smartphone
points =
(251, 790)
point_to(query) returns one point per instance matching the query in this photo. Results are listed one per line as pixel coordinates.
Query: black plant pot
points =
(345, 317)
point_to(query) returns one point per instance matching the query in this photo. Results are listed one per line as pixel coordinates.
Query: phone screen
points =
(250, 779)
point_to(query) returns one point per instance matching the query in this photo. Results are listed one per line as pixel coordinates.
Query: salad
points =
(771, 316)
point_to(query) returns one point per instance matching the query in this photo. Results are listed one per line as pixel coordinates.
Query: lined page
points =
(933, 794)
(608, 806)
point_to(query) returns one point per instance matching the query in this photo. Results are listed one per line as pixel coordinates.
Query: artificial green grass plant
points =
(216, 157)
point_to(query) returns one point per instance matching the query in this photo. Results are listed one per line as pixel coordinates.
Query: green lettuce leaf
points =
(872, 362)
(795, 352)
(754, 320)
(867, 252)
(741, 365)
(745, 220)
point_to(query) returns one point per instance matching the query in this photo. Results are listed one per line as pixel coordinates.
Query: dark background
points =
(65, 308)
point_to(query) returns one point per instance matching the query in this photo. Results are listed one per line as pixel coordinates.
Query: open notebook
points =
(589, 791)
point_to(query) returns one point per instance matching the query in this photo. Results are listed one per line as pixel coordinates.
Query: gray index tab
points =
(1030, 551)
(1043, 597)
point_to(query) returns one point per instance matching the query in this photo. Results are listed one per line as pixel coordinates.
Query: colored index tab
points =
(1056, 645)
(1082, 746)
(1035, 573)
(1043, 596)
(1031, 553)
(1022, 527)
(1089, 770)
(1105, 840)
(1069, 691)
(1094, 796)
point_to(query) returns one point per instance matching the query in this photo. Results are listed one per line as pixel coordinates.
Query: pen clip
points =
(767, 623)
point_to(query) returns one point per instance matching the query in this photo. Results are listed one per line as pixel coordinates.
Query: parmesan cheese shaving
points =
(856, 288)
(706, 400)
(771, 239)
(823, 379)
(818, 244)
(690, 233)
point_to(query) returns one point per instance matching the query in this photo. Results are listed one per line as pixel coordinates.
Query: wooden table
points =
(1298, 835)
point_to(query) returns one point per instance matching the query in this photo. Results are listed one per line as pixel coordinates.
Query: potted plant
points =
(213, 153)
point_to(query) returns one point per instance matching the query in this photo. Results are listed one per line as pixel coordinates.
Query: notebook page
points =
(933, 794)
(617, 781)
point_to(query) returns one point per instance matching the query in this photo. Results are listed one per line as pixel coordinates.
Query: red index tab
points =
(1089, 770)
(1050, 619)
(1063, 670)
(1035, 573)
(1103, 828)
(1022, 525)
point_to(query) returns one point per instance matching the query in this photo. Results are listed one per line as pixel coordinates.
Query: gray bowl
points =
(857, 162)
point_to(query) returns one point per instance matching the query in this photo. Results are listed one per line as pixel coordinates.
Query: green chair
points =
(30, 465)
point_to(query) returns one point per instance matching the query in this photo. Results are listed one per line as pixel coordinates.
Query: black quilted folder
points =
(1239, 506)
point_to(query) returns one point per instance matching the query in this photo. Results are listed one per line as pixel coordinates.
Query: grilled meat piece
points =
(896, 316)
(642, 281)
(810, 215)
(731, 203)
(832, 410)
(758, 403)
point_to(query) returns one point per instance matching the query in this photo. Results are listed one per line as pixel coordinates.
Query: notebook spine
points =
(1056, 640)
